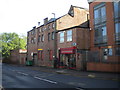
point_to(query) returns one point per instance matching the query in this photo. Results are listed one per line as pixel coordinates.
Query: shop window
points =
(42, 55)
(39, 54)
(61, 37)
(69, 35)
(99, 13)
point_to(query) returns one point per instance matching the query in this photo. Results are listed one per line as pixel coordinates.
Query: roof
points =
(72, 28)
(51, 20)
(54, 19)
(81, 7)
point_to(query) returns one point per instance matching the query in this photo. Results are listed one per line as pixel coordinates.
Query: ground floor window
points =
(68, 60)
(117, 51)
(39, 53)
(42, 55)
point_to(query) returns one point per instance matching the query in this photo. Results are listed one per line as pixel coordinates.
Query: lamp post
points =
(55, 44)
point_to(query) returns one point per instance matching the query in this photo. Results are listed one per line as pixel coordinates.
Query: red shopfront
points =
(67, 57)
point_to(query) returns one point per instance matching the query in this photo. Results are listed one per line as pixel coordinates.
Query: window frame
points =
(62, 37)
(48, 36)
(39, 38)
(117, 31)
(69, 36)
(42, 38)
(99, 37)
(100, 19)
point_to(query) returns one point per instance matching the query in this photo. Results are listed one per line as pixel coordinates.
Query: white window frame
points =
(61, 37)
(69, 35)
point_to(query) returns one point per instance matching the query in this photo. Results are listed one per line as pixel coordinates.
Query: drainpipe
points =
(55, 44)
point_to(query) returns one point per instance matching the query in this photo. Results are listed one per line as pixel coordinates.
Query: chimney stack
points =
(45, 21)
(38, 23)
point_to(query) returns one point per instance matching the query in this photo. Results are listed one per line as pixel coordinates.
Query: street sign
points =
(73, 44)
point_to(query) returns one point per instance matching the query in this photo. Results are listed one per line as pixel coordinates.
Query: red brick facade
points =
(108, 60)
(18, 56)
(71, 53)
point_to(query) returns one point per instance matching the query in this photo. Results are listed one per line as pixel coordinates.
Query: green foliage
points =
(11, 41)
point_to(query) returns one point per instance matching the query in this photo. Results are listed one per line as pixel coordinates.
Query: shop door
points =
(35, 59)
(71, 61)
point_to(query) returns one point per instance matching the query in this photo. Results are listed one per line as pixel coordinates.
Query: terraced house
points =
(105, 36)
(73, 38)
(46, 42)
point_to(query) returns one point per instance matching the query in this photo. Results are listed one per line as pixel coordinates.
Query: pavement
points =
(88, 74)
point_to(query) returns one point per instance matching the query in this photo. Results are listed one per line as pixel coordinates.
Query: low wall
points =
(103, 67)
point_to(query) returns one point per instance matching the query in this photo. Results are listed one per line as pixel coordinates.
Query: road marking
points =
(11, 70)
(45, 80)
(22, 73)
(79, 89)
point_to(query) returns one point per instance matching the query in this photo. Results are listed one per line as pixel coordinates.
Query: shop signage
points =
(66, 51)
(40, 49)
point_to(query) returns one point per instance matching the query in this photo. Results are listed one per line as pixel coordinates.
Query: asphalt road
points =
(22, 77)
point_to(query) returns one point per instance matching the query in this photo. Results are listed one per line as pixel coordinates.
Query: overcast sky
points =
(21, 15)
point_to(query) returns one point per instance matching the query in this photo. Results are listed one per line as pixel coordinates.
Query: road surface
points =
(22, 77)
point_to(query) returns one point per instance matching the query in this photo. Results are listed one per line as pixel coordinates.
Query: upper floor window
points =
(99, 13)
(42, 29)
(100, 35)
(34, 40)
(117, 31)
(33, 32)
(69, 35)
(117, 9)
(42, 38)
(61, 37)
(53, 25)
(48, 36)
(48, 27)
(39, 29)
(38, 38)
(52, 35)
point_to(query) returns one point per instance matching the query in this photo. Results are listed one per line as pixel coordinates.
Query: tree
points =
(11, 41)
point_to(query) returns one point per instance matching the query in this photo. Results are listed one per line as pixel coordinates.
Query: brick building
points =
(45, 46)
(18, 56)
(32, 45)
(73, 43)
(41, 45)
(105, 36)
(73, 38)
